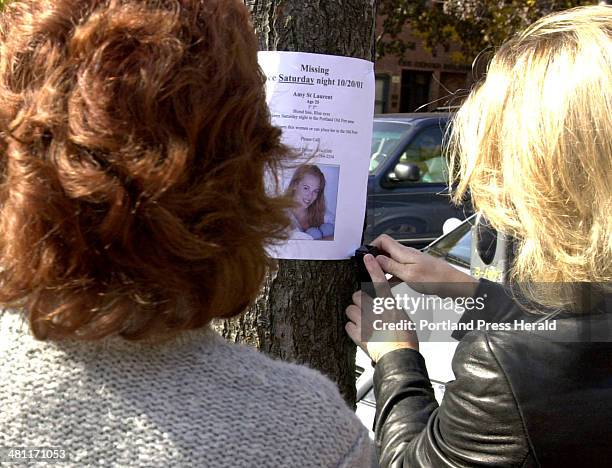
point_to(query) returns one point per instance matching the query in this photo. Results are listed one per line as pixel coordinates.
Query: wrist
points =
(387, 348)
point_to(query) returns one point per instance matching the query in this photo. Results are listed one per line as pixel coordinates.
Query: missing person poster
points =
(324, 105)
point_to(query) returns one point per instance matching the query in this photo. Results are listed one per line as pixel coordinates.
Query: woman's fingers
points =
(391, 266)
(396, 250)
(379, 280)
(353, 332)
(353, 326)
(376, 273)
(374, 344)
(353, 312)
(357, 298)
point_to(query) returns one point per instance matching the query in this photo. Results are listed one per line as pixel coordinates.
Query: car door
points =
(413, 212)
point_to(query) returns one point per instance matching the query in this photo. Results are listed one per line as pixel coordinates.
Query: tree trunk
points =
(299, 315)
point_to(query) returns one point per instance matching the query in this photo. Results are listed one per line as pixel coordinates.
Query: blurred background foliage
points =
(474, 25)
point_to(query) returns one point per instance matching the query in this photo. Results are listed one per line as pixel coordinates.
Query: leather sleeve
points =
(477, 424)
(499, 307)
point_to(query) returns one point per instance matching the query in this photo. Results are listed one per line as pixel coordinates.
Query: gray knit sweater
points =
(197, 401)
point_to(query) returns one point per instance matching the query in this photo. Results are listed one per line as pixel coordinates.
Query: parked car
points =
(407, 187)
(475, 250)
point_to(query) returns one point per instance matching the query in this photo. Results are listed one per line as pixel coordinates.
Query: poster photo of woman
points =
(314, 191)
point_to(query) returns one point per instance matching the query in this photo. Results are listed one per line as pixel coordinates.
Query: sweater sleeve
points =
(332, 435)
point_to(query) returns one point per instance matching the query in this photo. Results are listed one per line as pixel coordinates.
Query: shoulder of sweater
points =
(288, 382)
(206, 354)
(236, 386)
(304, 396)
(286, 376)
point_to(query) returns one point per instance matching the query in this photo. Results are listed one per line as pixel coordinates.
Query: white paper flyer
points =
(324, 104)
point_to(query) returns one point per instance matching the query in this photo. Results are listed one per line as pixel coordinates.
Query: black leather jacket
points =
(519, 399)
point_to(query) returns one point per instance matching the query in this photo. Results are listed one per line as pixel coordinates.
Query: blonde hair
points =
(316, 211)
(533, 144)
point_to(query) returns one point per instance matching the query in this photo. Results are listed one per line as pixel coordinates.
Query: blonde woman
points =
(534, 148)
(307, 190)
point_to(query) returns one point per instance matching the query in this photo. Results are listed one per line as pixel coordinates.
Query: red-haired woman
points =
(126, 130)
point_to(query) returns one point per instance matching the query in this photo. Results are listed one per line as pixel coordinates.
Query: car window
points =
(369, 397)
(456, 246)
(425, 151)
(385, 138)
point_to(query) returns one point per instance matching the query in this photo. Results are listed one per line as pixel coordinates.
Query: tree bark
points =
(299, 315)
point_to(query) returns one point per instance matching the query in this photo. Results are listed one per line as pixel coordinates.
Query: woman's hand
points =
(422, 272)
(374, 343)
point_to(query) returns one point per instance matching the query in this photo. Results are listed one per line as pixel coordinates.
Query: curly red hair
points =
(134, 139)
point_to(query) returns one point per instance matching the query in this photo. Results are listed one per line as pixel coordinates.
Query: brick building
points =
(421, 82)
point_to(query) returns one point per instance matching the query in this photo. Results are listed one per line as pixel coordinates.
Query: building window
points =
(415, 91)
(382, 94)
